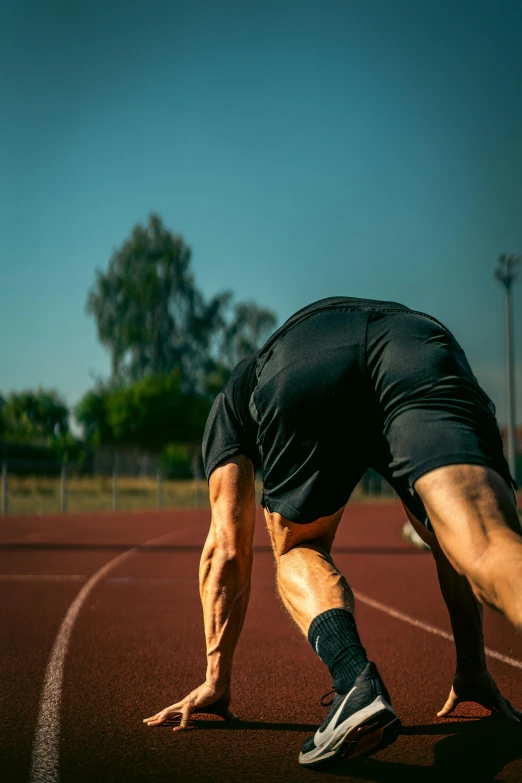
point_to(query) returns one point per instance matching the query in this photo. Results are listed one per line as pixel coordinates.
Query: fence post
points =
(115, 483)
(196, 474)
(159, 496)
(4, 489)
(64, 489)
(196, 491)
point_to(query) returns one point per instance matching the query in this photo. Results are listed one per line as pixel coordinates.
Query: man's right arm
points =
(224, 577)
(226, 564)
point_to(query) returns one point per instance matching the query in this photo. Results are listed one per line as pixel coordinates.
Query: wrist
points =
(471, 664)
(218, 672)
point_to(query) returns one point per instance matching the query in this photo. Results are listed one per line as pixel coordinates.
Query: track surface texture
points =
(136, 645)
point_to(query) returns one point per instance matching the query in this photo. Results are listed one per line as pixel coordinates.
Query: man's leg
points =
(317, 595)
(319, 599)
(307, 579)
(474, 516)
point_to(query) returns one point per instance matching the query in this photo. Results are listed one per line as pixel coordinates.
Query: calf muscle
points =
(308, 581)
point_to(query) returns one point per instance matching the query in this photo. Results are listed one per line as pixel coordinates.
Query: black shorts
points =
(353, 388)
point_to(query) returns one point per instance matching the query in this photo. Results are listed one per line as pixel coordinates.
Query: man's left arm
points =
(472, 681)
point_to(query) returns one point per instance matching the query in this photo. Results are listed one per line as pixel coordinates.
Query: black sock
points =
(334, 637)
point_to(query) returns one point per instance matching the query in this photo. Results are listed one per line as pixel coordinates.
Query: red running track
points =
(137, 645)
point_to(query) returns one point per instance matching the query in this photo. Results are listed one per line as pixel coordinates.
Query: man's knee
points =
(303, 548)
(287, 536)
(290, 545)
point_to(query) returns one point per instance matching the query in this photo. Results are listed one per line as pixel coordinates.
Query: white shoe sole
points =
(366, 731)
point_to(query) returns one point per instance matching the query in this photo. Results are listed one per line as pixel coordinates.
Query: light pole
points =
(505, 274)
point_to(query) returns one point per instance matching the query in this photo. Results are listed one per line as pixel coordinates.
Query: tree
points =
(153, 319)
(246, 332)
(91, 413)
(34, 416)
(66, 448)
(146, 413)
(148, 310)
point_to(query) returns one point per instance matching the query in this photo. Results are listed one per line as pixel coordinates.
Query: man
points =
(344, 385)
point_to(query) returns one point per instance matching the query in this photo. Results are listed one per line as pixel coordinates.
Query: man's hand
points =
(480, 688)
(208, 699)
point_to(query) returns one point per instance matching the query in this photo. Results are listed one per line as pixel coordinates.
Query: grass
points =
(42, 495)
(38, 495)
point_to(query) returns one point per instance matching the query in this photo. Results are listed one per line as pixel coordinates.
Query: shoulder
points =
(241, 382)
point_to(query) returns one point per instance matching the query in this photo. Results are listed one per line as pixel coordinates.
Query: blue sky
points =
(303, 150)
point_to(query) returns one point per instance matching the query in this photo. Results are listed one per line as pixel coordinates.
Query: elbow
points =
(224, 566)
(233, 553)
(230, 546)
(225, 554)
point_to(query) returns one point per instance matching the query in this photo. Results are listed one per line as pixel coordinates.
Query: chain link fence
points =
(32, 487)
(47, 487)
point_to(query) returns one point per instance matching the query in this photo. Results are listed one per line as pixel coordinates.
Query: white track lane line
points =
(42, 578)
(406, 618)
(46, 745)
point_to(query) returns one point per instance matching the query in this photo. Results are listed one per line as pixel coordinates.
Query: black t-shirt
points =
(230, 428)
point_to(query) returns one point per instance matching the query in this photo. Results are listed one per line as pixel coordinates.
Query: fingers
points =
(516, 713)
(496, 704)
(195, 702)
(450, 705)
(152, 718)
(184, 707)
(158, 719)
(509, 712)
(185, 718)
(161, 717)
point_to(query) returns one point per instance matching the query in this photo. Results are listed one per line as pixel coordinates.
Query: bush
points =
(71, 451)
(27, 458)
(177, 460)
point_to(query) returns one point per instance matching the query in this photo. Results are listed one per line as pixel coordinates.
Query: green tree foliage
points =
(91, 413)
(177, 460)
(245, 332)
(147, 413)
(171, 349)
(34, 416)
(153, 319)
(34, 426)
(66, 448)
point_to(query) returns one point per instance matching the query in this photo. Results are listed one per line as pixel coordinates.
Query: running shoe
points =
(359, 722)
(410, 534)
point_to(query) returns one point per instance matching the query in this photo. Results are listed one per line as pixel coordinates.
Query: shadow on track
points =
(473, 749)
(470, 749)
(240, 725)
